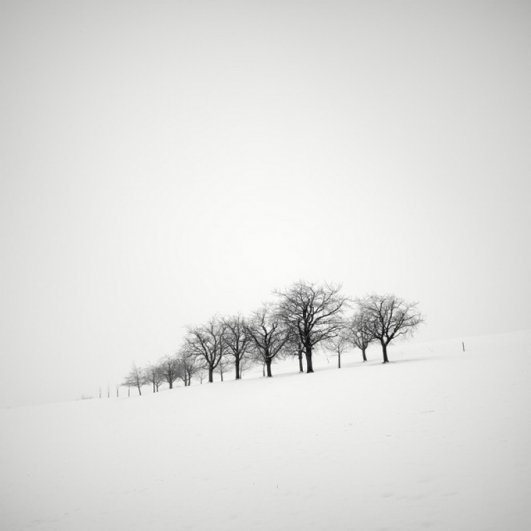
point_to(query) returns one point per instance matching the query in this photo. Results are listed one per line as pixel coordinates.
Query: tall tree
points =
(270, 336)
(390, 317)
(313, 312)
(361, 332)
(238, 341)
(206, 343)
(135, 378)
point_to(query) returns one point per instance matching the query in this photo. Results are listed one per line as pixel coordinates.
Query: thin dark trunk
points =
(128, 391)
(221, 372)
(210, 375)
(384, 351)
(339, 360)
(170, 382)
(139, 390)
(268, 367)
(263, 369)
(363, 354)
(154, 388)
(301, 368)
(237, 367)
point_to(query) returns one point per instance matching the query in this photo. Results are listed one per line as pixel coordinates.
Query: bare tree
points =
(169, 368)
(390, 317)
(269, 334)
(135, 378)
(361, 331)
(238, 341)
(206, 343)
(154, 376)
(189, 364)
(313, 312)
(339, 343)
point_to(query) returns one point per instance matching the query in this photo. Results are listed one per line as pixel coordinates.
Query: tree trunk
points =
(339, 360)
(309, 364)
(237, 367)
(170, 383)
(363, 354)
(221, 372)
(268, 367)
(154, 387)
(384, 351)
(301, 368)
(139, 391)
(210, 375)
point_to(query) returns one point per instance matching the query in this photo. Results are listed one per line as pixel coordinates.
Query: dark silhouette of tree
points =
(206, 343)
(361, 332)
(238, 342)
(270, 336)
(313, 312)
(188, 365)
(135, 378)
(389, 317)
(169, 368)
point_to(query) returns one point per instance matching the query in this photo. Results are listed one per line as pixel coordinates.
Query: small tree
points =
(154, 376)
(340, 343)
(206, 343)
(189, 365)
(169, 368)
(313, 312)
(238, 341)
(389, 317)
(361, 332)
(270, 336)
(135, 378)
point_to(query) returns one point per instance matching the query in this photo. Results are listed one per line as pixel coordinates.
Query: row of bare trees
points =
(302, 318)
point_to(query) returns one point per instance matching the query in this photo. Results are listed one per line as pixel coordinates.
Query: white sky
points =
(163, 162)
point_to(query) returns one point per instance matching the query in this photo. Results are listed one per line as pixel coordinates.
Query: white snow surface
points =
(436, 439)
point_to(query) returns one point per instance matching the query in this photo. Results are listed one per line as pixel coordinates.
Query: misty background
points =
(164, 162)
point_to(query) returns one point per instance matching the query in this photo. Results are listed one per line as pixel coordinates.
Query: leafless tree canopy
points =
(340, 342)
(361, 332)
(238, 341)
(269, 335)
(206, 343)
(154, 376)
(135, 378)
(170, 368)
(313, 312)
(389, 317)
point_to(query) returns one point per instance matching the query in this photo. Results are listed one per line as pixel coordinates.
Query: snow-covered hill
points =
(437, 439)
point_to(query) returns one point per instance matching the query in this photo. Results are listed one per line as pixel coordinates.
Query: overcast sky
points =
(161, 162)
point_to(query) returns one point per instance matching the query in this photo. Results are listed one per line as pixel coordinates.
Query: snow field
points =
(437, 439)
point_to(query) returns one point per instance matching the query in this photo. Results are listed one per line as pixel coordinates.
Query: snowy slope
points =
(437, 439)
